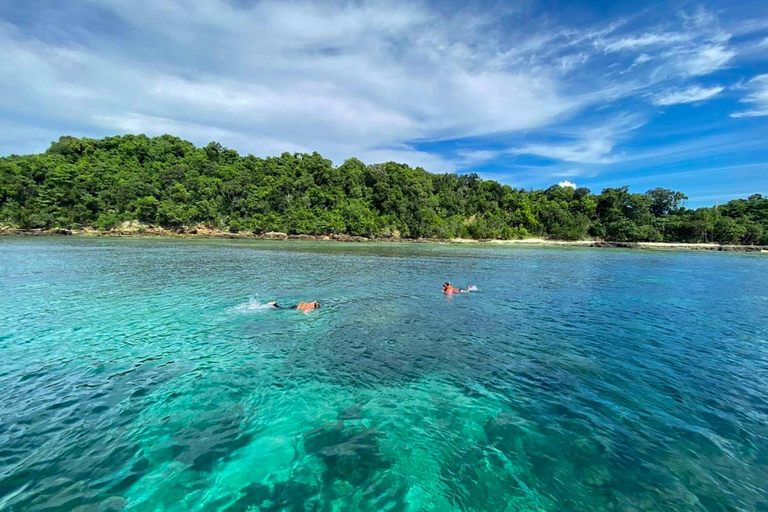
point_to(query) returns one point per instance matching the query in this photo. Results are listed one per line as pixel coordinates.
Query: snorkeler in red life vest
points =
(447, 288)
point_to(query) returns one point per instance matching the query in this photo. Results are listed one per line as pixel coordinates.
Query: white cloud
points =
(567, 184)
(692, 94)
(704, 60)
(343, 81)
(633, 165)
(640, 60)
(632, 43)
(697, 46)
(472, 157)
(758, 98)
(570, 62)
(597, 151)
(587, 145)
(750, 26)
(367, 79)
(700, 17)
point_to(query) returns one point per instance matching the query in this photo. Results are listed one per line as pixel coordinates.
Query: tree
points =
(665, 202)
(146, 209)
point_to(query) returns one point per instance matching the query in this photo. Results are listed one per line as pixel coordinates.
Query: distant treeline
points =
(169, 182)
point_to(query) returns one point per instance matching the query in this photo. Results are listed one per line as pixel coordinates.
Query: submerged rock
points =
(349, 454)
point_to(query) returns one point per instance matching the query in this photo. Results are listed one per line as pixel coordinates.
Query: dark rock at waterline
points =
(682, 246)
(615, 245)
(741, 248)
(66, 232)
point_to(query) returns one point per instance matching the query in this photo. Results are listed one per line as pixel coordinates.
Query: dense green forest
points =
(169, 182)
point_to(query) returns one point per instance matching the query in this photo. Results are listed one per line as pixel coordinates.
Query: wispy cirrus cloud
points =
(587, 151)
(590, 144)
(757, 98)
(692, 94)
(631, 43)
(696, 46)
(704, 60)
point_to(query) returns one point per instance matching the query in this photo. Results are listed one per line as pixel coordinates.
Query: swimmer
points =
(301, 306)
(447, 288)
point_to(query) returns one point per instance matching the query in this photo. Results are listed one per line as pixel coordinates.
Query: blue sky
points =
(597, 94)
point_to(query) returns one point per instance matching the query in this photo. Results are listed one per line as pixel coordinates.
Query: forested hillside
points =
(169, 182)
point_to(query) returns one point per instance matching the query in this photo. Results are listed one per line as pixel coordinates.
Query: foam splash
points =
(253, 305)
(472, 288)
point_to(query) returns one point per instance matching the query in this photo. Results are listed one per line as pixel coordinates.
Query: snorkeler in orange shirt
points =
(301, 306)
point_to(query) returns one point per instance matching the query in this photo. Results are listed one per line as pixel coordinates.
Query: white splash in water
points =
(253, 305)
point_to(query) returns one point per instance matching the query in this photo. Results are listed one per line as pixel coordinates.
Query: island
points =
(134, 184)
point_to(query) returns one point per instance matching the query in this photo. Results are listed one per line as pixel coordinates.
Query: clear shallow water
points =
(144, 375)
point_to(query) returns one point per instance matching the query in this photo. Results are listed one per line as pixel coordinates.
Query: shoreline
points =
(136, 230)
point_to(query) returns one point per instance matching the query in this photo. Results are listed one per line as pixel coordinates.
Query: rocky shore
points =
(134, 229)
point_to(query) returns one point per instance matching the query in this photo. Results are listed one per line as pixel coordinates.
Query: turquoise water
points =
(145, 375)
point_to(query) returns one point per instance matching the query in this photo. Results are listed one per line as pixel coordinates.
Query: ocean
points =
(149, 374)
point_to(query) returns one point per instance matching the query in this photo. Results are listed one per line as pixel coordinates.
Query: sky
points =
(595, 94)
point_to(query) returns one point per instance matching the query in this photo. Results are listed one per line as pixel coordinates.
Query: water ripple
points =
(148, 375)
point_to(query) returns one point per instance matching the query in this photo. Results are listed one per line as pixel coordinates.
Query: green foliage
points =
(107, 221)
(146, 208)
(168, 181)
(172, 214)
